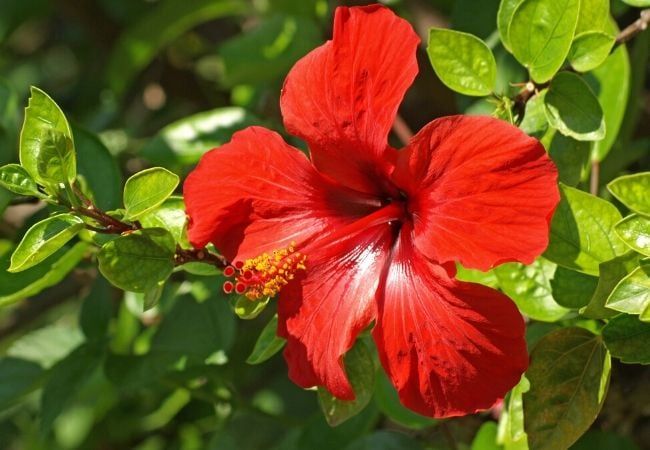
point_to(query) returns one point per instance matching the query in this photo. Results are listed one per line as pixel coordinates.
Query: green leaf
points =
(388, 402)
(540, 35)
(16, 179)
(632, 294)
(147, 189)
(462, 61)
(385, 440)
(266, 52)
(611, 83)
(633, 191)
(504, 18)
(573, 109)
(628, 339)
(535, 122)
(195, 329)
(571, 158)
(634, 230)
(572, 289)
(582, 232)
(604, 440)
(611, 273)
(530, 288)
(182, 143)
(170, 216)
(99, 169)
(360, 369)
(138, 261)
(511, 433)
(43, 239)
(18, 378)
(46, 138)
(96, 311)
(568, 374)
(594, 16)
(638, 3)
(268, 343)
(138, 45)
(18, 286)
(590, 49)
(476, 276)
(248, 309)
(65, 379)
(486, 437)
(45, 346)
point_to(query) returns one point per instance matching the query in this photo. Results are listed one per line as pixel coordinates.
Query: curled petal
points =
(480, 190)
(257, 193)
(449, 347)
(342, 97)
(322, 313)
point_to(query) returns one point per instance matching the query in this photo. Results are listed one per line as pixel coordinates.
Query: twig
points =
(594, 182)
(402, 130)
(635, 28)
(184, 256)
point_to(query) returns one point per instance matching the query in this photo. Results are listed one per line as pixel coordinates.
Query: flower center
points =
(264, 275)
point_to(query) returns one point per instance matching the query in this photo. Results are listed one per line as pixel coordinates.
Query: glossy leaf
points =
(569, 375)
(15, 178)
(571, 158)
(65, 379)
(147, 189)
(572, 289)
(590, 49)
(462, 61)
(633, 191)
(18, 286)
(632, 294)
(594, 16)
(183, 142)
(611, 273)
(96, 310)
(634, 230)
(638, 3)
(540, 35)
(628, 339)
(582, 232)
(504, 18)
(170, 216)
(535, 123)
(18, 377)
(46, 138)
(486, 437)
(360, 369)
(610, 82)
(99, 169)
(43, 239)
(249, 309)
(268, 343)
(138, 45)
(530, 288)
(388, 402)
(138, 261)
(511, 432)
(572, 108)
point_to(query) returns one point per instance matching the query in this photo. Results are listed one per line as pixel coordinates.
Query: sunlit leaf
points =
(147, 189)
(15, 178)
(632, 294)
(634, 230)
(590, 49)
(632, 191)
(267, 344)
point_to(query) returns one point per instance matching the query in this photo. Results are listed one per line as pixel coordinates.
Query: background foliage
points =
(145, 87)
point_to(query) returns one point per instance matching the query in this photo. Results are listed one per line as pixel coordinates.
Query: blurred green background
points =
(160, 82)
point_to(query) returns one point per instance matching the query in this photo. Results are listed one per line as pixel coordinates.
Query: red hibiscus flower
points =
(363, 233)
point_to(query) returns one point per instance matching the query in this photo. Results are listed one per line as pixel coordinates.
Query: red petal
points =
(450, 348)
(257, 193)
(322, 313)
(342, 97)
(481, 191)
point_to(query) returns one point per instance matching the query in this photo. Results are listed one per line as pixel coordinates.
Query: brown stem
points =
(595, 178)
(402, 130)
(634, 28)
(184, 256)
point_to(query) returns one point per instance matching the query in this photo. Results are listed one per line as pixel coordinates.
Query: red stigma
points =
(228, 287)
(229, 271)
